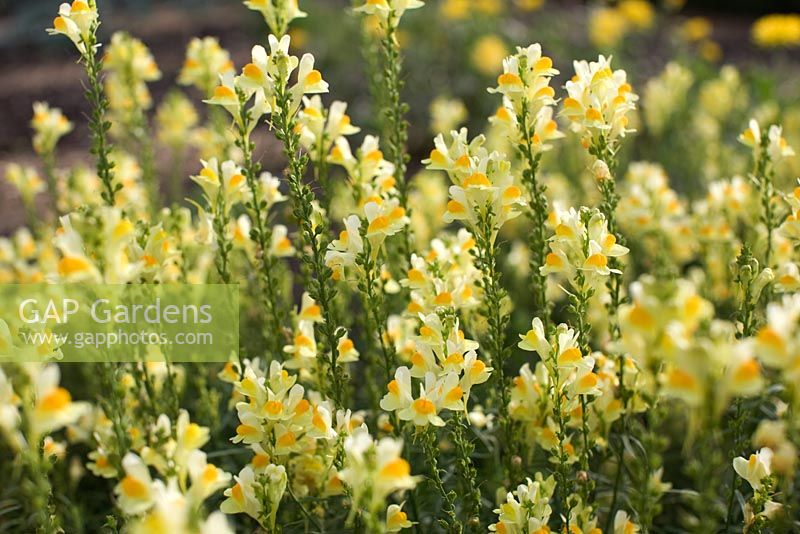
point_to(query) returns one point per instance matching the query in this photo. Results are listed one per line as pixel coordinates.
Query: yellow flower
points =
(26, 180)
(639, 13)
(710, 51)
(53, 407)
(49, 125)
(777, 30)
(77, 21)
(205, 62)
(488, 53)
(389, 11)
(176, 116)
(278, 15)
(135, 490)
(755, 468)
(607, 27)
(599, 100)
(455, 9)
(396, 519)
(696, 29)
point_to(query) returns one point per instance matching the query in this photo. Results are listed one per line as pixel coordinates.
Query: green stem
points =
(493, 296)
(466, 469)
(452, 524)
(261, 234)
(374, 305)
(537, 213)
(98, 125)
(224, 247)
(563, 483)
(314, 237)
(396, 126)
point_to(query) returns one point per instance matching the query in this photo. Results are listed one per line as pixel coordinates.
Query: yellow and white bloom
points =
(77, 21)
(135, 490)
(755, 468)
(49, 125)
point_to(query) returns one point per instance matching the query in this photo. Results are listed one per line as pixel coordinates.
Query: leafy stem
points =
(313, 233)
(98, 125)
(261, 233)
(395, 124)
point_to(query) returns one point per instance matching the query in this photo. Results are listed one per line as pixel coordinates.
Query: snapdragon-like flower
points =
(278, 14)
(129, 66)
(342, 252)
(755, 468)
(526, 509)
(303, 349)
(659, 329)
(790, 228)
(254, 489)
(777, 343)
(599, 101)
(525, 86)
(397, 519)
(575, 369)
(277, 420)
(373, 470)
(75, 265)
(9, 401)
(623, 523)
(384, 218)
(445, 276)
(205, 62)
(320, 127)
(483, 187)
(650, 210)
(77, 21)
(369, 173)
(777, 147)
(26, 180)
(446, 365)
(49, 125)
(53, 405)
(261, 77)
(583, 243)
(223, 181)
(389, 11)
(176, 117)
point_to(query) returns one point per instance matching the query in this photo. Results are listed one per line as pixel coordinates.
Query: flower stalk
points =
(313, 236)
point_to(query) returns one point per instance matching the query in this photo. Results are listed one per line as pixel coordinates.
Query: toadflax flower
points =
(583, 243)
(527, 110)
(777, 147)
(54, 407)
(373, 470)
(389, 10)
(278, 14)
(598, 101)
(77, 21)
(49, 125)
(755, 468)
(483, 189)
(205, 62)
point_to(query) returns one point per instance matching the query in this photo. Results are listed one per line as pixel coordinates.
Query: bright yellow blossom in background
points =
(488, 53)
(772, 31)
(607, 27)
